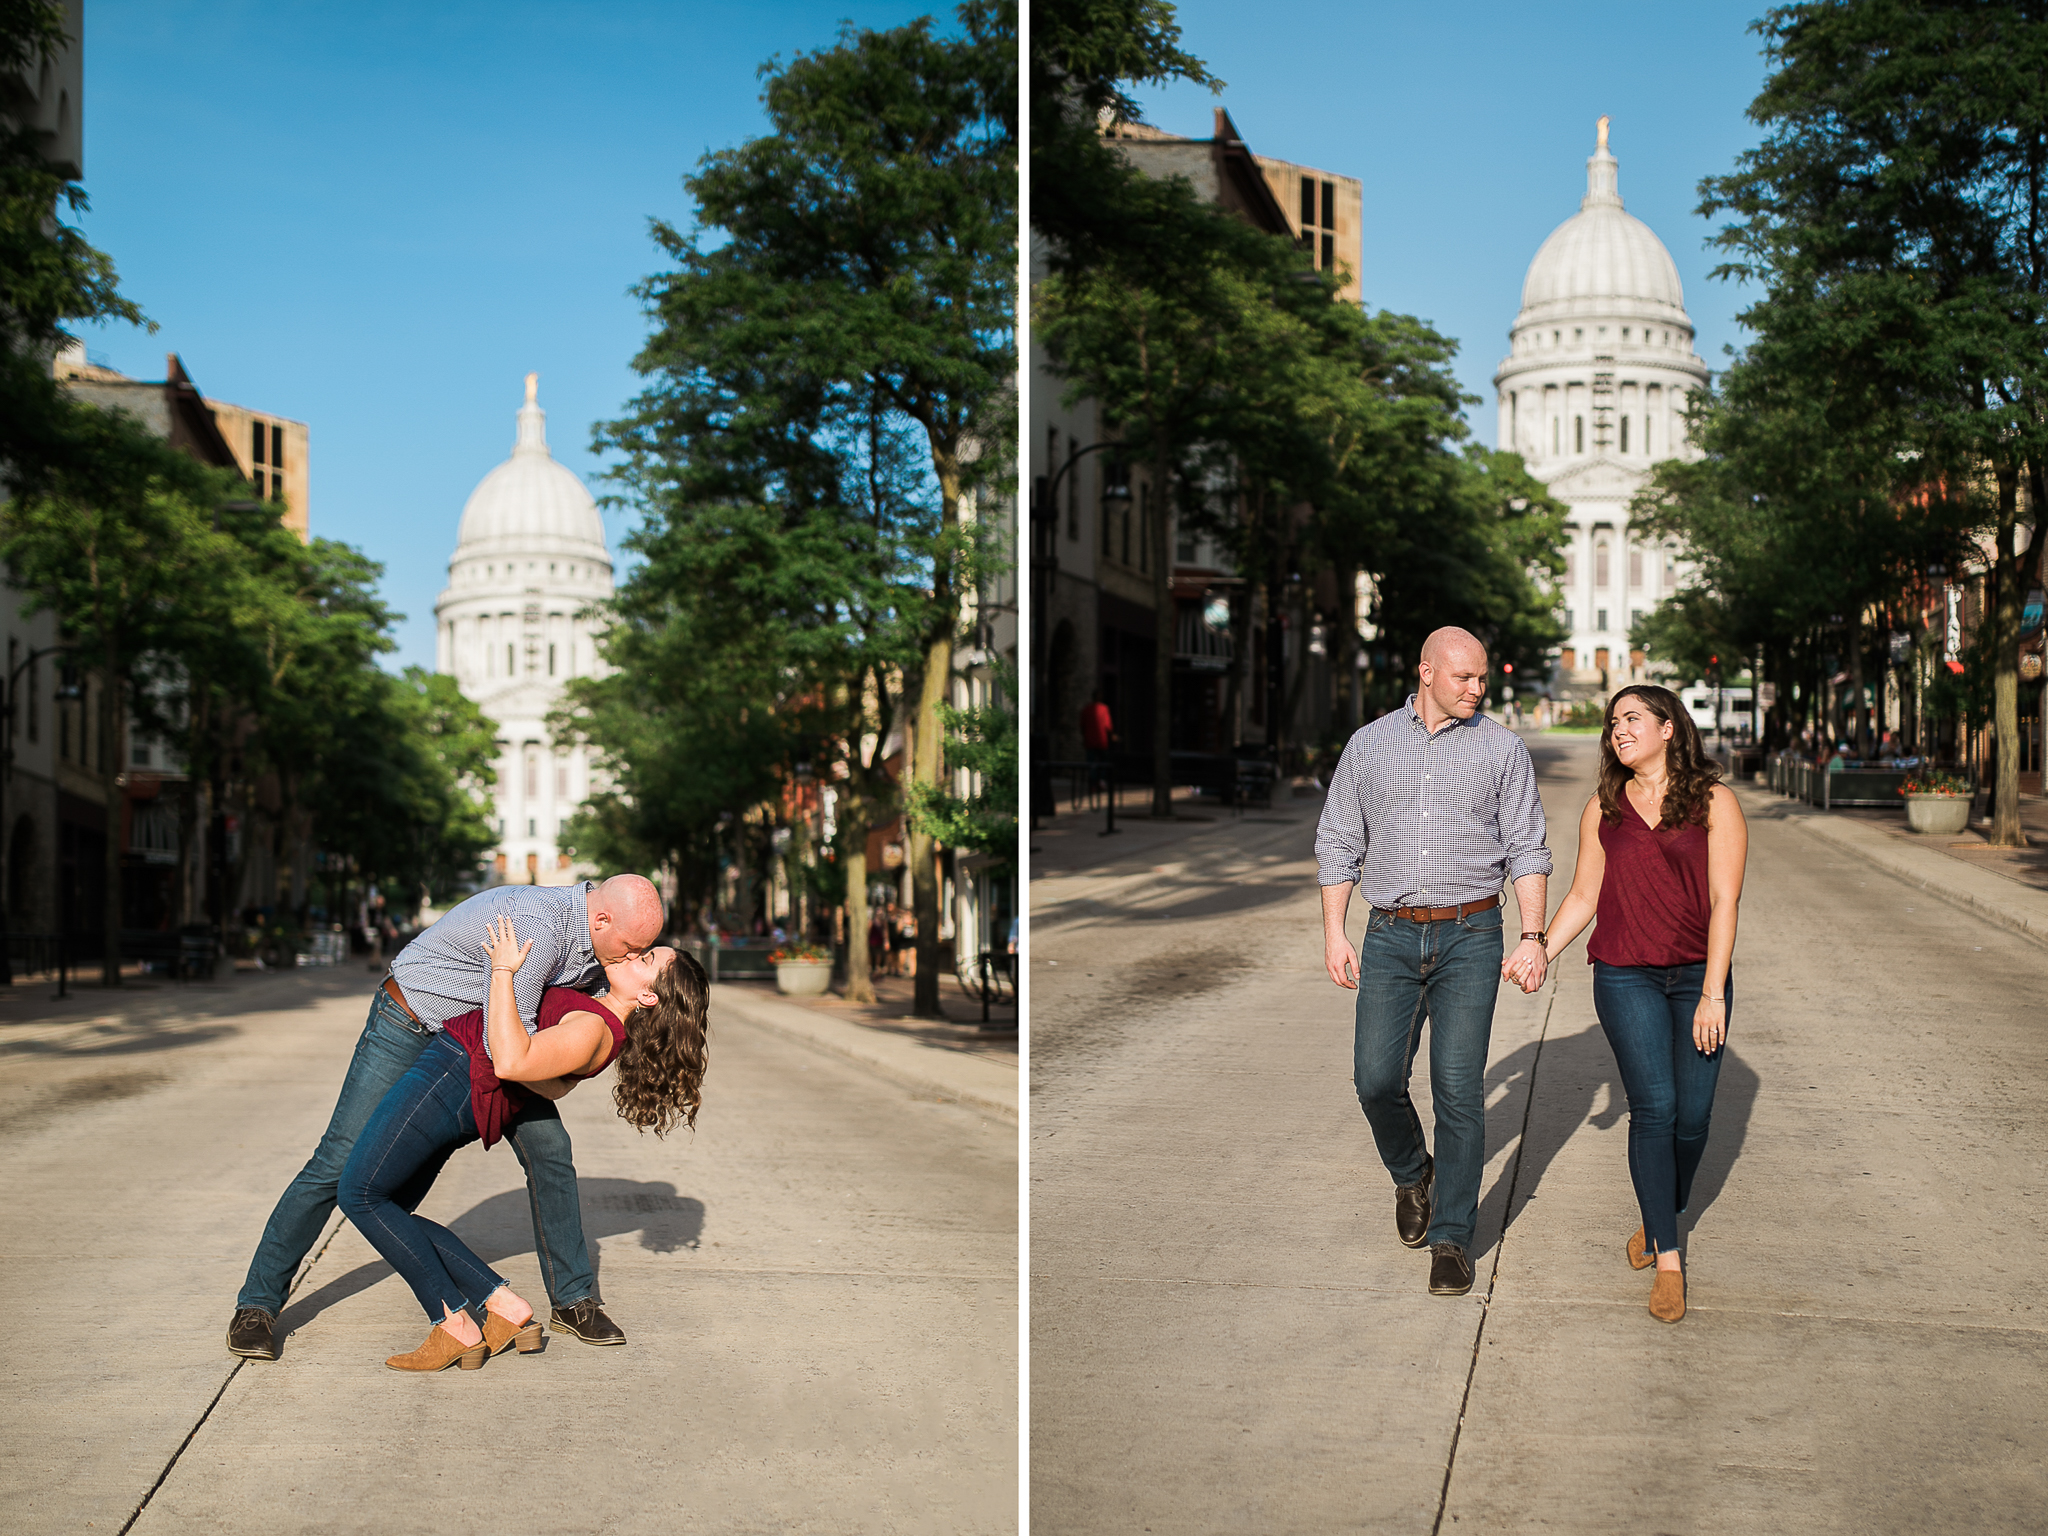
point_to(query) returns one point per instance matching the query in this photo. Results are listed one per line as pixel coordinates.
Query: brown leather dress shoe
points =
(1640, 1255)
(1667, 1296)
(253, 1334)
(587, 1321)
(500, 1335)
(1450, 1271)
(441, 1350)
(1411, 1207)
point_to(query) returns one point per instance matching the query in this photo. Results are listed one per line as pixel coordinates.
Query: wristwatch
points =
(1540, 938)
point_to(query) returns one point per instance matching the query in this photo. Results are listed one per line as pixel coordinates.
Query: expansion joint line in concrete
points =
(1443, 1498)
(226, 1382)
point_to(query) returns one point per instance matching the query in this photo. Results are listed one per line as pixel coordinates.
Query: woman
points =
(650, 1018)
(1661, 851)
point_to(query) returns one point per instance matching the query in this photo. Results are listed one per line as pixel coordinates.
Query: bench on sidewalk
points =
(734, 959)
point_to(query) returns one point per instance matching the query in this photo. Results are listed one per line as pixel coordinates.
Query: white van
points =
(1735, 707)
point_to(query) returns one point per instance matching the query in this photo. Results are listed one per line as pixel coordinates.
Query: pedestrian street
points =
(818, 1288)
(1228, 1337)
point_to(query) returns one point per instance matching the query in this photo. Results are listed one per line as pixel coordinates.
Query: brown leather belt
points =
(398, 997)
(1443, 914)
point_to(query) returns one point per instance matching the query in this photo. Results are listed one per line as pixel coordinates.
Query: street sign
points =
(1767, 695)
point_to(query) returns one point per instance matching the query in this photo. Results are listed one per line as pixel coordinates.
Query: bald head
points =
(1453, 676)
(1449, 645)
(625, 917)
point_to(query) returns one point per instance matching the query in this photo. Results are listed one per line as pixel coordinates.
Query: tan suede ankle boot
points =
(499, 1335)
(1667, 1296)
(1639, 1254)
(441, 1350)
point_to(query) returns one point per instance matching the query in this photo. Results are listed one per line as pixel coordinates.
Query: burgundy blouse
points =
(1653, 897)
(496, 1101)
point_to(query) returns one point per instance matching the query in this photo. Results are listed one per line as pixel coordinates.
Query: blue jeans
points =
(1646, 1012)
(389, 1045)
(415, 1130)
(1449, 973)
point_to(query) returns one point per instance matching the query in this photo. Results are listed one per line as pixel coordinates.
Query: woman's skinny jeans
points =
(1646, 1012)
(425, 1117)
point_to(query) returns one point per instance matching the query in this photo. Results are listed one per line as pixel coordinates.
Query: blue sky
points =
(378, 217)
(1470, 125)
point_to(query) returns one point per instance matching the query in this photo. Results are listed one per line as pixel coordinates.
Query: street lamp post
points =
(7, 702)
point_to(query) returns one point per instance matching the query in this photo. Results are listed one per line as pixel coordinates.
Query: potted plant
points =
(1936, 802)
(802, 970)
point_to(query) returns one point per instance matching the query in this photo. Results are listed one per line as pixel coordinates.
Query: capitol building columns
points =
(1592, 394)
(529, 558)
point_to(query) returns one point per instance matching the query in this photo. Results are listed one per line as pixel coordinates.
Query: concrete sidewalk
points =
(959, 1076)
(1985, 893)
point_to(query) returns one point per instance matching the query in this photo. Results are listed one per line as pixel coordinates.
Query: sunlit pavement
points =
(1227, 1337)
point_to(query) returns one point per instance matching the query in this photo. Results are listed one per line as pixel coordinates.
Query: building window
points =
(531, 823)
(1635, 617)
(1329, 251)
(1600, 624)
(1635, 566)
(1624, 434)
(256, 438)
(277, 448)
(1600, 567)
(508, 658)
(551, 659)
(1308, 201)
(1571, 567)
(1578, 434)
(533, 776)
(139, 756)
(1570, 623)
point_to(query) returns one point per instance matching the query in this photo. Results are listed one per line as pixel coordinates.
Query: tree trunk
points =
(927, 759)
(853, 838)
(2005, 676)
(110, 785)
(1164, 635)
(1344, 654)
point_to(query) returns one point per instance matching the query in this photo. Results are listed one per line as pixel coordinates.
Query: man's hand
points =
(1340, 959)
(1526, 966)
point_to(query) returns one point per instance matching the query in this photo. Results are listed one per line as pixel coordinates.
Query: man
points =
(1429, 808)
(576, 930)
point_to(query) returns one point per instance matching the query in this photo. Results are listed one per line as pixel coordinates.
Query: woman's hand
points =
(503, 946)
(1710, 1024)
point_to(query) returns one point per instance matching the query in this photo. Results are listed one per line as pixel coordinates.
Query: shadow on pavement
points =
(1574, 1069)
(502, 1227)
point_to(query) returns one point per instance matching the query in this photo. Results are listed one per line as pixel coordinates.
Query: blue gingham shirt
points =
(444, 973)
(1431, 821)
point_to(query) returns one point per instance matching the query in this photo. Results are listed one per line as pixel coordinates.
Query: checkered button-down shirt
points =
(1421, 820)
(445, 973)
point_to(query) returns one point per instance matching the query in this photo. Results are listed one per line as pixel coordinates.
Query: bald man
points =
(576, 931)
(1431, 809)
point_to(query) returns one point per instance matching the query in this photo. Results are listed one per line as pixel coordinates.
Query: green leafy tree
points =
(1894, 215)
(863, 271)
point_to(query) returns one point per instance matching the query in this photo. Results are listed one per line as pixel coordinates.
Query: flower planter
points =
(803, 978)
(1938, 815)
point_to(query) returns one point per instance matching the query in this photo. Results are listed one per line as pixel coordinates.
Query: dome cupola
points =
(530, 504)
(1603, 262)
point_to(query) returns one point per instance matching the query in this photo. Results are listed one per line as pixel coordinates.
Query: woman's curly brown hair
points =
(661, 1067)
(1692, 774)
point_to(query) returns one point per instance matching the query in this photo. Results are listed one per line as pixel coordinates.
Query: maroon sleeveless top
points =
(1653, 898)
(496, 1101)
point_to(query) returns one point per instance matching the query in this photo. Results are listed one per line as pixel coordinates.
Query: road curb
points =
(976, 1081)
(1980, 892)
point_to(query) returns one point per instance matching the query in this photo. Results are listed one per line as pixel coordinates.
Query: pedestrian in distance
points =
(440, 975)
(1662, 845)
(649, 1017)
(1098, 736)
(1430, 809)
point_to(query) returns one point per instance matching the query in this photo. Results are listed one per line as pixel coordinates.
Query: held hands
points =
(1710, 1024)
(503, 946)
(1526, 965)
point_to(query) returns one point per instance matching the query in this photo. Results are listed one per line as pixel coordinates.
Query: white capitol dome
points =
(530, 559)
(530, 500)
(1593, 392)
